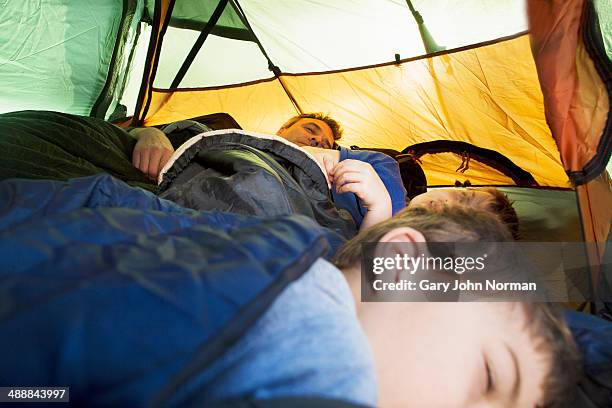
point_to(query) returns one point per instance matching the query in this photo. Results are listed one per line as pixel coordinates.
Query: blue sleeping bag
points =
(594, 338)
(125, 297)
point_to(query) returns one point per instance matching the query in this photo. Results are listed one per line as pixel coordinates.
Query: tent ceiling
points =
(221, 61)
(315, 36)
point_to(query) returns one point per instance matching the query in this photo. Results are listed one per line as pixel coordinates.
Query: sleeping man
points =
(131, 300)
(366, 184)
(59, 146)
(153, 148)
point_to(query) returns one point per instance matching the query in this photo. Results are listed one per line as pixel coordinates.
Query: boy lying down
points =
(403, 354)
(316, 338)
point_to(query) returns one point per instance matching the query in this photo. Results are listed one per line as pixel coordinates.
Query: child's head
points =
(437, 354)
(490, 199)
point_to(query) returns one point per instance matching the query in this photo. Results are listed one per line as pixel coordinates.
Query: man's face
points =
(441, 196)
(309, 132)
(464, 355)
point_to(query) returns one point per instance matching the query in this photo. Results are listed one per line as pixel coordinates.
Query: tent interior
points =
(394, 73)
(527, 85)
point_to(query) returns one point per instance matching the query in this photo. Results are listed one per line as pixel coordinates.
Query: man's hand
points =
(152, 151)
(326, 158)
(361, 179)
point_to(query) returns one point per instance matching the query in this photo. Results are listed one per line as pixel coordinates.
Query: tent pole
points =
(271, 66)
(428, 41)
(212, 21)
(291, 98)
(161, 19)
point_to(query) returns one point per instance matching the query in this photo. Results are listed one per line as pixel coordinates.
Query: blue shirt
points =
(309, 343)
(387, 169)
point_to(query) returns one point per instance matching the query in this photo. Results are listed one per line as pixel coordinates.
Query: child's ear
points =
(403, 234)
(403, 241)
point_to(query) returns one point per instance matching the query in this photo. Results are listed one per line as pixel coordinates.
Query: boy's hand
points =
(360, 178)
(152, 151)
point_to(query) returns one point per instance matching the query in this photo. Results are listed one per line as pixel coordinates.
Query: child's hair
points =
(498, 204)
(450, 223)
(502, 207)
(553, 338)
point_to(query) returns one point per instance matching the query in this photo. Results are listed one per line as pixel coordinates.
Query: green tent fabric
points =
(55, 55)
(194, 15)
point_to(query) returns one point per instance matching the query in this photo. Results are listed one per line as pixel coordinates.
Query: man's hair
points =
(333, 125)
(502, 206)
(450, 223)
(552, 337)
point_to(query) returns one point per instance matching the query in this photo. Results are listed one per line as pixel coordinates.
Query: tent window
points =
(199, 42)
(226, 55)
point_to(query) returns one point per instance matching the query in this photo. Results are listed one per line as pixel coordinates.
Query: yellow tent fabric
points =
(475, 95)
(442, 170)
